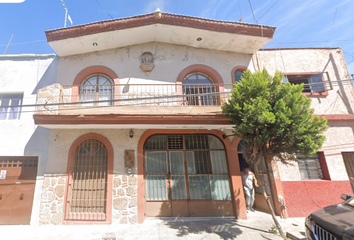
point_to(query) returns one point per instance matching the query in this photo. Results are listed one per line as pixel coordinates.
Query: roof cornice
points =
(166, 19)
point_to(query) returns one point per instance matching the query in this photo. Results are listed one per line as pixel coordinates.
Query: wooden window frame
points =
(71, 159)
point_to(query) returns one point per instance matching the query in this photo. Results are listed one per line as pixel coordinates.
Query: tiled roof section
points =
(167, 19)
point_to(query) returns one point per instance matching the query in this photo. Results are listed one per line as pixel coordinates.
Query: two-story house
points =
(129, 124)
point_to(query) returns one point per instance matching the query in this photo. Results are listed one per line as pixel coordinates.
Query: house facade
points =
(124, 122)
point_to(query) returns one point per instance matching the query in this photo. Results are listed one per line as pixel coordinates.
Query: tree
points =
(274, 120)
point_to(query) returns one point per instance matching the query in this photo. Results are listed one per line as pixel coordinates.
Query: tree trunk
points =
(261, 187)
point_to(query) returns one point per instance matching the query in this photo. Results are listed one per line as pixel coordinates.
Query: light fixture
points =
(131, 134)
(94, 44)
(129, 170)
(158, 13)
(199, 39)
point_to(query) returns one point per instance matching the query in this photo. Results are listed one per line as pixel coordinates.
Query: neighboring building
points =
(129, 122)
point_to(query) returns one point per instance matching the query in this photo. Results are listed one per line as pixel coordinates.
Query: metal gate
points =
(348, 158)
(87, 189)
(17, 183)
(186, 175)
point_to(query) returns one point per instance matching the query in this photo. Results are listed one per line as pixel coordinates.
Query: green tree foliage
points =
(272, 118)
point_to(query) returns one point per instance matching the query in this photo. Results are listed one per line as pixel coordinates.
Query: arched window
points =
(198, 88)
(237, 74)
(97, 87)
(88, 188)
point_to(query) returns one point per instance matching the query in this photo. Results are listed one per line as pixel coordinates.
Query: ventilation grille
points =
(175, 142)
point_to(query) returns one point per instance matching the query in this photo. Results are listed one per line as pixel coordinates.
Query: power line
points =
(222, 94)
(104, 9)
(11, 44)
(239, 7)
(254, 18)
(334, 18)
(268, 10)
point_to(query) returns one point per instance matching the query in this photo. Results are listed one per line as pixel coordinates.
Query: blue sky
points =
(300, 23)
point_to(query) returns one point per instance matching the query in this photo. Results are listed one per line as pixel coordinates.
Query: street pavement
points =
(256, 227)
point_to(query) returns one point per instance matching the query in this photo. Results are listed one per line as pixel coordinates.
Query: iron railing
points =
(147, 94)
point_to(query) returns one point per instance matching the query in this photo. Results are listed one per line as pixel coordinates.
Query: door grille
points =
(88, 186)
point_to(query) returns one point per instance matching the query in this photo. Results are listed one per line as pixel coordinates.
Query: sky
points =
(300, 23)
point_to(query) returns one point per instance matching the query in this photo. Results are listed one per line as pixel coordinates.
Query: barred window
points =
(312, 83)
(310, 167)
(10, 106)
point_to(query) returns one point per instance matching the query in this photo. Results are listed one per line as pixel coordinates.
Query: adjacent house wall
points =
(21, 137)
(304, 196)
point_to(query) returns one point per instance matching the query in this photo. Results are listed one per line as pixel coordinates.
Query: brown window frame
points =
(238, 68)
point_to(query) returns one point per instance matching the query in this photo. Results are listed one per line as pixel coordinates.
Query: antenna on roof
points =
(67, 16)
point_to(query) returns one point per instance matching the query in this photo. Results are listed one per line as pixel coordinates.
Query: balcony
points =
(162, 99)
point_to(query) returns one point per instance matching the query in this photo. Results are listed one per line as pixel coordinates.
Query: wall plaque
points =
(129, 158)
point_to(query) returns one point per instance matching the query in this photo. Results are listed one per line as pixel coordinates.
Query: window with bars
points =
(310, 167)
(88, 188)
(181, 167)
(10, 106)
(312, 83)
(198, 88)
(97, 87)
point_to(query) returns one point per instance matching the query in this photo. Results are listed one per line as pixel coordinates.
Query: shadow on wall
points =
(342, 93)
(37, 145)
(49, 77)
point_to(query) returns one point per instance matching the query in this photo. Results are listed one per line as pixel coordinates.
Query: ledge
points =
(131, 119)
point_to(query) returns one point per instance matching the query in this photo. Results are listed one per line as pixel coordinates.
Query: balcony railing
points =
(146, 94)
(59, 97)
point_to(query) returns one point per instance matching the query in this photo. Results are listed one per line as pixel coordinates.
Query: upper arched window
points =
(198, 88)
(237, 74)
(97, 87)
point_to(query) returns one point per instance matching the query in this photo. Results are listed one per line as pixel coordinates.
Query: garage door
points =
(17, 183)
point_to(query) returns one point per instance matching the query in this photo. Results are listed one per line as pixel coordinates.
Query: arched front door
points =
(87, 183)
(186, 175)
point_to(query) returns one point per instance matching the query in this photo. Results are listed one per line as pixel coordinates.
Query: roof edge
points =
(167, 19)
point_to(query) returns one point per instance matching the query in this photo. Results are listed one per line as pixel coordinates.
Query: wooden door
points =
(348, 158)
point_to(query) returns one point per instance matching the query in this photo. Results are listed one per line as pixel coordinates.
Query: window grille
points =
(97, 87)
(197, 83)
(88, 187)
(310, 167)
(194, 167)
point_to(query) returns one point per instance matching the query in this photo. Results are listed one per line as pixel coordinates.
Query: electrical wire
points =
(268, 10)
(254, 18)
(104, 9)
(19, 43)
(333, 83)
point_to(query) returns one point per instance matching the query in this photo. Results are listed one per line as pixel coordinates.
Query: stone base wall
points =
(125, 199)
(52, 199)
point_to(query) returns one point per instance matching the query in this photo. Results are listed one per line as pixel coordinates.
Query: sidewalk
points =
(256, 227)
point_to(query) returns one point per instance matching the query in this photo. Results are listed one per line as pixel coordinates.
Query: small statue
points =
(147, 63)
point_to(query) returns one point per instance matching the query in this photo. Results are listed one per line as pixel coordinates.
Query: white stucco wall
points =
(169, 61)
(340, 100)
(21, 137)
